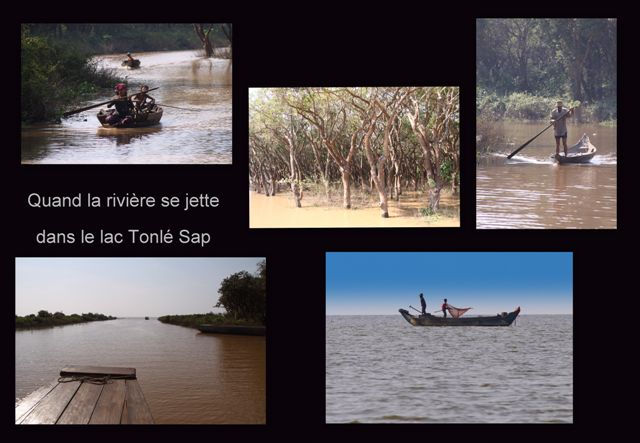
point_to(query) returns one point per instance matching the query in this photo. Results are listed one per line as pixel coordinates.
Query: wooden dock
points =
(87, 395)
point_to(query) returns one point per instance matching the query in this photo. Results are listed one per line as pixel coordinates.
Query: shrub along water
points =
(45, 318)
(56, 77)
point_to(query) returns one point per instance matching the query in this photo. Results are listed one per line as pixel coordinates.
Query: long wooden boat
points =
(87, 395)
(133, 64)
(232, 329)
(504, 319)
(581, 152)
(140, 120)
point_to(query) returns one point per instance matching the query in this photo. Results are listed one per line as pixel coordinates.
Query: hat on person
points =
(121, 87)
(559, 103)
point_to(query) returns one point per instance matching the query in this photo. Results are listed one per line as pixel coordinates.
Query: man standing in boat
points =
(424, 304)
(445, 305)
(122, 114)
(559, 117)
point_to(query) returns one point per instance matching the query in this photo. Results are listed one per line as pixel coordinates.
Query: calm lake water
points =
(187, 377)
(380, 369)
(201, 134)
(532, 191)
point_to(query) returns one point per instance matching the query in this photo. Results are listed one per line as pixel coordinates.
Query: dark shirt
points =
(122, 105)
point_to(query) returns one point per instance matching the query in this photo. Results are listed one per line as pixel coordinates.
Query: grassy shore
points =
(46, 319)
(195, 320)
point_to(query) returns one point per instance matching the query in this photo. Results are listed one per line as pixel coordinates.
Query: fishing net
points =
(456, 312)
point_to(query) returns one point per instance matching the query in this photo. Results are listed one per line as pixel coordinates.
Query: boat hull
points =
(581, 152)
(139, 121)
(430, 320)
(131, 64)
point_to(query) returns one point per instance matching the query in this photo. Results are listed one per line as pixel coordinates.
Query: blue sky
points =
(124, 287)
(489, 282)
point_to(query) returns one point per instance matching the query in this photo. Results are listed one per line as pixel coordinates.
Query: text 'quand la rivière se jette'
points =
(128, 200)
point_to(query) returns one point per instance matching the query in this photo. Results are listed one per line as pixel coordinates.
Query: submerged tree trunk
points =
(204, 38)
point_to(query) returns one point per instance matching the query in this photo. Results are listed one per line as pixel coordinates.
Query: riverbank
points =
(195, 320)
(521, 106)
(56, 77)
(45, 319)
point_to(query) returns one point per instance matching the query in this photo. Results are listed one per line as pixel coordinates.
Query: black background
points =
(313, 44)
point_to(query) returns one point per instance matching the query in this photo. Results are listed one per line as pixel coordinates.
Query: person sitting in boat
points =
(143, 101)
(559, 117)
(445, 305)
(130, 58)
(122, 114)
(424, 304)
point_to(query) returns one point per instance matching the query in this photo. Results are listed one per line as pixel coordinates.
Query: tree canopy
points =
(385, 138)
(560, 58)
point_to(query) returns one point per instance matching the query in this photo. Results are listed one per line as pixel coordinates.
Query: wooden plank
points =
(82, 404)
(136, 409)
(98, 371)
(24, 406)
(49, 409)
(108, 410)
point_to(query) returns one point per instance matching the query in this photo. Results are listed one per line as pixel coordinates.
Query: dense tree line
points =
(378, 140)
(45, 318)
(571, 58)
(103, 38)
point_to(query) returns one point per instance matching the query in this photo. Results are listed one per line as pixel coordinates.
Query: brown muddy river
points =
(201, 134)
(279, 211)
(187, 377)
(532, 191)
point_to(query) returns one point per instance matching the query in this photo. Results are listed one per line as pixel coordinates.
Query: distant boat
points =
(504, 319)
(146, 318)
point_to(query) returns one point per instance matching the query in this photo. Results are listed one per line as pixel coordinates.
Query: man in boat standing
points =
(122, 114)
(423, 303)
(445, 305)
(559, 117)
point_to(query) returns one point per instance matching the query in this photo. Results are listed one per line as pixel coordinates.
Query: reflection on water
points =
(279, 211)
(186, 376)
(532, 191)
(201, 133)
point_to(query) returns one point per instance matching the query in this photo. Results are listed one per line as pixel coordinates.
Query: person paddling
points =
(122, 114)
(559, 119)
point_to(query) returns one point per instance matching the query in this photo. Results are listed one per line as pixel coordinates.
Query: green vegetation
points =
(195, 320)
(525, 65)
(108, 38)
(45, 318)
(55, 77)
(244, 297)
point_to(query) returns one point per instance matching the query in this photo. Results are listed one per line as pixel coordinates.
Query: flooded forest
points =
(356, 149)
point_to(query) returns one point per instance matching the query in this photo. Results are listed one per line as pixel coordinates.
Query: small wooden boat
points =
(140, 119)
(504, 319)
(232, 329)
(133, 64)
(581, 152)
(146, 318)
